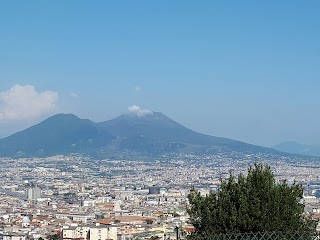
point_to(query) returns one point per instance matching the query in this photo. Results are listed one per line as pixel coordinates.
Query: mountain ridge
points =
(298, 148)
(152, 134)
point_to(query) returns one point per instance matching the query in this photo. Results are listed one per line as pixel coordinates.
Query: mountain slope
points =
(152, 134)
(159, 129)
(298, 148)
(62, 133)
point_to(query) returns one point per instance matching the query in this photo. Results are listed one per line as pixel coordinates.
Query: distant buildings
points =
(121, 199)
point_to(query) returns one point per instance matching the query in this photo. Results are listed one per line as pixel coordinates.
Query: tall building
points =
(34, 193)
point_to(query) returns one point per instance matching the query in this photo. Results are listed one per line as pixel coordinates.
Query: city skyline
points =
(245, 71)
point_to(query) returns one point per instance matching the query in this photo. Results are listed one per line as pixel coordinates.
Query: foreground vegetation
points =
(249, 204)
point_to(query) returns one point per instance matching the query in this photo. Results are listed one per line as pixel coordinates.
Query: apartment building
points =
(96, 232)
(76, 232)
(103, 232)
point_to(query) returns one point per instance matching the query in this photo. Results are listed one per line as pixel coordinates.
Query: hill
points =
(298, 148)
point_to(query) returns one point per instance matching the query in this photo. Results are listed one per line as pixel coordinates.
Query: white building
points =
(74, 232)
(103, 232)
(310, 200)
(75, 217)
(34, 193)
(97, 232)
(25, 221)
(89, 203)
(14, 237)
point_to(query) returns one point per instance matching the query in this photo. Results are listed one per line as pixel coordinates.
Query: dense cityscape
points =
(75, 197)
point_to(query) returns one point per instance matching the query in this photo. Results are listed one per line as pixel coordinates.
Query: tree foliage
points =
(252, 203)
(53, 237)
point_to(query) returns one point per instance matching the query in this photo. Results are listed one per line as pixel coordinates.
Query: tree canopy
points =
(249, 204)
(53, 237)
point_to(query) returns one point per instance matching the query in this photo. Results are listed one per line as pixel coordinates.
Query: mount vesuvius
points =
(152, 134)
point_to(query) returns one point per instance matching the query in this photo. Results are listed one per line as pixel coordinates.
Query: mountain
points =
(60, 134)
(158, 129)
(298, 148)
(151, 134)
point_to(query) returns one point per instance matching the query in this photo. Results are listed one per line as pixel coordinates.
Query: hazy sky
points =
(247, 70)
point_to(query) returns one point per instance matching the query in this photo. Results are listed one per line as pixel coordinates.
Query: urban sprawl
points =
(75, 197)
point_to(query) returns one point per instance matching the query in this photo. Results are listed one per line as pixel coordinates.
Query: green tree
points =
(149, 221)
(248, 204)
(53, 237)
(99, 216)
(154, 238)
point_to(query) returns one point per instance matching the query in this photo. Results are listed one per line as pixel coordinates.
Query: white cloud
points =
(74, 95)
(25, 103)
(138, 88)
(138, 111)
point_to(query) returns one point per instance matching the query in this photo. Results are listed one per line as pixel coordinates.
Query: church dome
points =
(25, 219)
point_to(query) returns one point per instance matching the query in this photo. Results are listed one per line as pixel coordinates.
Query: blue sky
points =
(247, 70)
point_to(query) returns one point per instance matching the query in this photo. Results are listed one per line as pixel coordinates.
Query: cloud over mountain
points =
(139, 112)
(25, 102)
